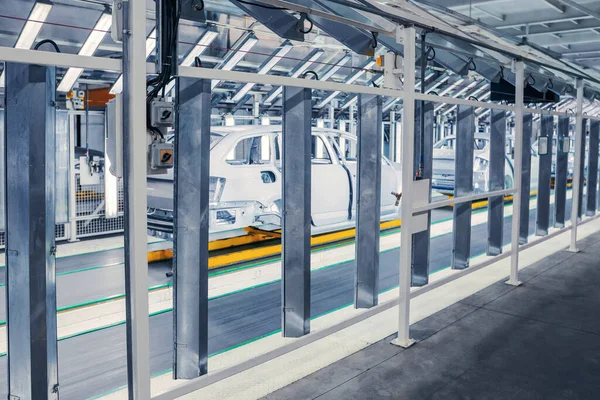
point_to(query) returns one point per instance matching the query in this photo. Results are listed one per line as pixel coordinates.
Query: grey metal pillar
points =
(368, 205)
(582, 168)
(421, 240)
(544, 177)
(592, 182)
(30, 249)
(495, 224)
(525, 178)
(296, 221)
(191, 212)
(463, 185)
(560, 173)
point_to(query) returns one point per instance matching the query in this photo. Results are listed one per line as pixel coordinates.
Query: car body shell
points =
(444, 166)
(246, 176)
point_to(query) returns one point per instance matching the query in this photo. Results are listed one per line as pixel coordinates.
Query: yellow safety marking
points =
(160, 255)
(276, 234)
(269, 251)
(266, 251)
(256, 235)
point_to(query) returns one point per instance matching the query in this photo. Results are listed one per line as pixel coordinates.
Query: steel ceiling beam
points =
(280, 22)
(556, 5)
(571, 38)
(541, 17)
(579, 7)
(562, 27)
(295, 73)
(399, 17)
(499, 17)
(356, 39)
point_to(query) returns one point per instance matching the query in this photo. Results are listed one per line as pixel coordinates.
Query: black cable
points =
(473, 98)
(300, 24)
(471, 66)
(530, 80)
(250, 3)
(430, 50)
(200, 7)
(309, 72)
(374, 36)
(374, 84)
(197, 62)
(49, 41)
(170, 18)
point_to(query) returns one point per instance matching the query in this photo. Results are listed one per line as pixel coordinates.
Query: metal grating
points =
(90, 211)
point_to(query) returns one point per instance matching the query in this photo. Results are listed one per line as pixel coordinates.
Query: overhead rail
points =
(439, 28)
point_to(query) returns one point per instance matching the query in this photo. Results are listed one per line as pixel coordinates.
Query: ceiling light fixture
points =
(89, 47)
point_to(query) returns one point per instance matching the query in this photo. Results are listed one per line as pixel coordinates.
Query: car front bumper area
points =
(226, 219)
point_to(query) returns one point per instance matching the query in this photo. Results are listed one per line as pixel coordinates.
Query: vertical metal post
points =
(525, 178)
(592, 180)
(296, 221)
(352, 113)
(560, 174)
(399, 139)
(256, 108)
(582, 144)
(30, 249)
(368, 205)
(495, 225)
(331, 114)
(2, 174)
(518, 169)
(392, 144)
(134, 182)
(463, 185)
(408, 126)
(421, 240)
(72, 182)
(544, 177)
(191, 210)
(577, 167)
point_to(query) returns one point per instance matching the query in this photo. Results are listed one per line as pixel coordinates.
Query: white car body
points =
(246, 178)
(443, 166)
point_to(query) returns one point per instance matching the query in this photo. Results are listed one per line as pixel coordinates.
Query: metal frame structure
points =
(296, 197)
(497, 163)
(29, 215)
(368, 207)
(191, 208)
(296, 225)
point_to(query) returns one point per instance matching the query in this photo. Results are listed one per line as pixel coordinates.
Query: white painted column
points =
(408, 126)
(136, 246)
(577, 168)
(392, 142)
(518, 164)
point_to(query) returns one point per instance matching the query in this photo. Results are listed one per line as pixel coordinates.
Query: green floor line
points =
(249, 341)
